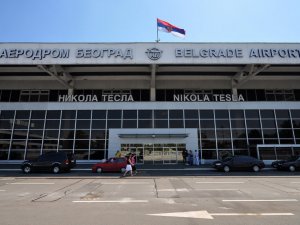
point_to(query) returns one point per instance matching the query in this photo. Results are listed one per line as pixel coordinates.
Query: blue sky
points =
(135, 20)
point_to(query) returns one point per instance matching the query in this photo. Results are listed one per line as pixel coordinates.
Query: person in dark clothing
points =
(184, 155)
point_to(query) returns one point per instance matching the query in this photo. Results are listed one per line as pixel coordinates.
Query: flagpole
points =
(157, 40)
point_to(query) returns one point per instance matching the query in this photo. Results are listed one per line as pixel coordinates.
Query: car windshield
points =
(292, 158)
(227, 159)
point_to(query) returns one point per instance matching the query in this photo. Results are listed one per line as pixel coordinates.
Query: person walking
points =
(133, 162)
(184, 155)
(128, 166)
(196, 158)
(190, 158)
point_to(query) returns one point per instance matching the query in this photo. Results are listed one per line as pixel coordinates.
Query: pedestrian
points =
(128, 166)
(184, 154)
(133, 162)
(190, 158)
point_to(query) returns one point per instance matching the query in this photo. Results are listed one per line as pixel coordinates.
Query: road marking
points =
(295, 182)
(117, 183)
(31, 183)
(2, 190)
(216, 189)
(221, 182)
(113, 201)
(260, 200)
(172, 189)
(206, 215)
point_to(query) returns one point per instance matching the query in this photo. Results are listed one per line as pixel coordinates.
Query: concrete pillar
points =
(153, 83)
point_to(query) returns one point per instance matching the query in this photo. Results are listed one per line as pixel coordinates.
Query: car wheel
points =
(255, 168)
(292, 168)
(123, 170)
(26, 169)
(55, 169)
(226, 169)
(99, 170)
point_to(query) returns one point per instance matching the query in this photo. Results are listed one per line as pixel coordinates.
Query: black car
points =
(291, 165)
(239, 162)
(290, 159)
(51, 161)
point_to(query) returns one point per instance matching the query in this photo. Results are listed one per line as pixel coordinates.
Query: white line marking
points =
(216, 189)
(31, 183)
(178, 190)
(261, 200)
(295, 182)
(120, 183)
(2, 190)
(113, 201)
(251, 214)
(221, 182)
(10, 169)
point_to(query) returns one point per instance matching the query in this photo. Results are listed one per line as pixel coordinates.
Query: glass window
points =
(176, 114)
(253, 123)
(68, 114)
(145, 124)
(20, 134)
(191, 114)
(81, 155)
(224, 144)
(83, 124)
(52, 124)
(114, 114)
(113, 124)
(208, 144)
(21, 124)
(254, 133)
(209, 154)
(4, 144)
(51, 134)
(207, 124)
(295, 113)
(267, 114)
(3, 154)
(296, 123)
(98, 124)
(239, 143)
(252, 114)
(221, 134)
(95, 155)
(284, 124)
(99, 114)
(160, 123)
(129, 124)
(18, 144)
(97, 144)
(237, 124)
(5, 134)
(206, 114)
(221, 114)
(270, 133)
(83, 114)
(285, 133)
(222, 124)
(236, 114)
(6, 124)
(268, 123)
(22, 114)
(129, 114)
(50, 144)
(67, 134)
(241, 133)
(282, 114)
(176, 124)
(34, 144)
(145, 114)
(32, 154)
(53, 114)
(161, 114)
(38, 114)
(36, 124)
(98, 134)
(65, 144)
(7, 114)
(16, 155)
(82, 144)
(67, 124)
(207, 134)
(191, 124)
(35, 134)
(82, 134)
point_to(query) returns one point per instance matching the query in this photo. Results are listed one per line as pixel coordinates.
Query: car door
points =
(237, 163)
(42, 163)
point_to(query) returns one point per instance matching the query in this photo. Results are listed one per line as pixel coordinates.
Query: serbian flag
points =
(169, 28)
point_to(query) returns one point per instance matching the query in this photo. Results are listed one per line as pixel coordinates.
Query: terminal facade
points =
(154, 99)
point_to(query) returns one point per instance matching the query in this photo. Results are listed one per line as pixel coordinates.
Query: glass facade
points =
(27, 133)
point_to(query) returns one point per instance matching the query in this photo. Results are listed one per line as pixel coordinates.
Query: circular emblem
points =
(153, 53)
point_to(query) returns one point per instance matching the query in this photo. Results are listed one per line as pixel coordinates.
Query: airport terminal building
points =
(154, 99)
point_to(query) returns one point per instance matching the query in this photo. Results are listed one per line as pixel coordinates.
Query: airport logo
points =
(154, 53)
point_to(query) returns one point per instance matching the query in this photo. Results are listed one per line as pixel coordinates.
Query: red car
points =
(111, 165)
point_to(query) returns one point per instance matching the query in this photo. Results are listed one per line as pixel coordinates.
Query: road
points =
(76, 199)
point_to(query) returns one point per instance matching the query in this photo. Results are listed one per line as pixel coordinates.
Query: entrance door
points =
(170, 155)
(158, 153)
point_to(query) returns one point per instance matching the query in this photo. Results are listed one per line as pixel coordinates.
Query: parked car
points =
(291, 158)
(110, 165)
(55, 162)
(291, 165)
(239, 162)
